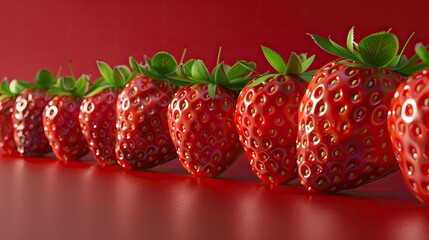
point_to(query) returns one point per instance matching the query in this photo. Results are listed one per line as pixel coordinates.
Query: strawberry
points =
(61, 118)
(7, 99)
(343, 140)
(407, 124)
(97, 115)
(143, 140)
(27, 116)
(201, 116)
(267, 117)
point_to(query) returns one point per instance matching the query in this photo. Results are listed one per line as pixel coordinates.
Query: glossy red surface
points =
(42, 198)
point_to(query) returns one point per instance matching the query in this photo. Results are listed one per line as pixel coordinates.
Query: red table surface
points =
(42, 198)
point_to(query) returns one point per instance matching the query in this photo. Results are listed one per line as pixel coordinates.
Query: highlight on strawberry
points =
(61, 117)
(8, 94)
(408, 127)
(343, 140)
(97, 115)
(201, 115)
(27, 115)
(142, 139)
(267, 116)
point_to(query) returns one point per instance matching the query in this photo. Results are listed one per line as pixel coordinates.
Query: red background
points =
(49, 33)
(45, 199)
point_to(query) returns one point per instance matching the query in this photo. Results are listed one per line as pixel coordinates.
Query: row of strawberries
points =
(346, 124)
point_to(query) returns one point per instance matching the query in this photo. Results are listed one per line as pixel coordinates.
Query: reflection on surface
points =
(47, 199)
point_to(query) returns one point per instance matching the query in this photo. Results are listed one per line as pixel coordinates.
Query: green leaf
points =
(307, 62)
(163, 63)
(294, 65)
(350, 40)
(44, 79)
(58, 92)
(119, 78)
(262, 79)
(131, 77)
(331, 47)
(345, 52)
(241, 69)
(81, 85)
(422, 53)
(151, 74)
(179, 81)
(219, 75)
(187, 67)
(15, 87)
(125, 71)
(97, 90)
(4, 89)
(199, 71)
(67, 83)
(212, 90)
(275, 60)
(397, 61)
(26, 84)
(106, 72)
(379, 49)
(135, 65)
(307, 76)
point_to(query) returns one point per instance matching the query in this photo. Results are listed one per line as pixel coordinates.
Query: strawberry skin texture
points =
(7, 142)
(408, 124)
(267, 122)
(143, 139)
(61, 126)
(97, 118)
(203, 129)
(28, 124)
(343, 140)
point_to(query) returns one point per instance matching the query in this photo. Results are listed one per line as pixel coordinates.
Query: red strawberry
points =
(201, 117)
(408, 127)
(61, 118)
(267, 117)
(143, 140)
(97, 116)
(27, 116)
(343, 140)
(7, 99)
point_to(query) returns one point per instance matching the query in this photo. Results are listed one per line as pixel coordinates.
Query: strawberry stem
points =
(218, 55)
(182, 58)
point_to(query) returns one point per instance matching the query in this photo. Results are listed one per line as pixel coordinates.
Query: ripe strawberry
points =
(143, 140)
(343, 140)
(61, 121)
(7, 98)
(267, 117)
(201, 117)
(97, 116)
(27, 116)
(407, 124)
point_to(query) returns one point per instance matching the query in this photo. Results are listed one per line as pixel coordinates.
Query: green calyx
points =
(12, 89)
(158, 67)
(68, 86)
(378, 50)
(194, 71)
(44, 80)
(296, 65)
(115, 78)
(423, 54)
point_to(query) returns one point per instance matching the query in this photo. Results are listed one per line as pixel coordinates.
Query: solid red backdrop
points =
(49, 33)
